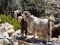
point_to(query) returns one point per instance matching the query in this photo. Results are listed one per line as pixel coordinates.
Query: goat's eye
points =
(25, 14)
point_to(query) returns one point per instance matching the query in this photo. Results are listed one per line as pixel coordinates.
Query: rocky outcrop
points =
(54, 6)
(8, 27)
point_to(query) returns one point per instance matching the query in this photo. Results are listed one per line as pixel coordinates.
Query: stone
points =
(59, 37)
(8, 27)
(3, 33)
(15, 35)
(1, 41)
(54, 39)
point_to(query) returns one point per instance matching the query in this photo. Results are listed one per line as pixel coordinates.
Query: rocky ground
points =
(33, 41)
(29, 40)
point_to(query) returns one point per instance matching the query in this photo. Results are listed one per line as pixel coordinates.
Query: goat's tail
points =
(51, 18)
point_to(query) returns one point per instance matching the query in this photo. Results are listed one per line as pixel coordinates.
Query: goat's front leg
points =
(34, 32)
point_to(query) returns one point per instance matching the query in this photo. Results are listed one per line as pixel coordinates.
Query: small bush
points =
(9, 19)
(15, 24)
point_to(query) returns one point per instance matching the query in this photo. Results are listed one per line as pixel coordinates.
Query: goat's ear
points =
(26, 12)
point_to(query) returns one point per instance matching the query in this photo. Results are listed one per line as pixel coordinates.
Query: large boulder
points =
(3, 36)
(8, 27)
(18, 32)
(3, 33)
(53, 8)
(15, 35)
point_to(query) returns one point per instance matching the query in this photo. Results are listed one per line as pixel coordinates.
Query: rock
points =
(57, 25)
(1, 41)
(54, 39)
(3, 33)
(29, 36)
(10, 31)
(49, 43)
(16, 32)
(54, 6)
(15, 35)
(8, 27)
(59, 37)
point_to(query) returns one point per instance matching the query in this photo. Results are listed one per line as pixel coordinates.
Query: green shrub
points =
(9, 19)
(15, 24)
